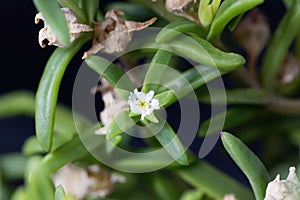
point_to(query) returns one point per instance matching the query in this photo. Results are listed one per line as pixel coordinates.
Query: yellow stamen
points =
(142, 104)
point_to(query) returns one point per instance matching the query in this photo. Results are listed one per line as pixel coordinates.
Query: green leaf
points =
(147, 160)
(60, 193)
(31, 146)
(191, 79)
(55, 18)
(234, 117)
(159, 64)
(228, 10)
(165, 187)
(64, 122)
(171, 143)
(249, 163)
(165, 98)
(46, 96)
(281, 40)
(73, 150)
(152, 118)
(112, 73)
(19, 194)
(234, 22)
(246, 96)
(201, 51)
(192, 195)
(17, 103)
(120, 124)
(159, 8)
(132, 11)
(67, 153)
(174, 28)
(272, 124)
(12, 165)
(39, 185)
(288, 3)
(212, 181)
(90, 8)
(111, 143)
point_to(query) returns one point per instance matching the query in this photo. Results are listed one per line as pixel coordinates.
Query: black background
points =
(23, 61)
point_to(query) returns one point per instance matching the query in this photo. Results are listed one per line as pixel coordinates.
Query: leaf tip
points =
(222, 133)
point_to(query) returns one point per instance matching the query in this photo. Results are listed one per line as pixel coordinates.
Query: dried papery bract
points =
(184, 8)
(113, 103)
(176, 5)
(114, 33)
(252, 34)
(288, 189)
(80, 183)
(74, 27)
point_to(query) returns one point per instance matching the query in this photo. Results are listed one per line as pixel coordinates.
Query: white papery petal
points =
(288, 189)
(155, 104)
(74, 27)
(149, 95)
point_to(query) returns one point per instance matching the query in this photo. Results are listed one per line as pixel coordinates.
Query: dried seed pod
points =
(252, 34)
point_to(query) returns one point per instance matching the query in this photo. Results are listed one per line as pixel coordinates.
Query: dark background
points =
(23, 61)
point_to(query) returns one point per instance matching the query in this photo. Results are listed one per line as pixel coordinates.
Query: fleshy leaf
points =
(249, 163)
(172, 144)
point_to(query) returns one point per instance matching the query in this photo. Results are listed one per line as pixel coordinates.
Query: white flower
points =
(143, 104)
(74, 27)
(86, 182)
(288, 189)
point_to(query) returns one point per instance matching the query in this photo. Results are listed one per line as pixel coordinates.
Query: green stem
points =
(285, 106)
(297, 47)
(243, 75)
(280, 43)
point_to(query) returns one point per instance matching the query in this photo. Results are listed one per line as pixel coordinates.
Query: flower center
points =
(142, 104)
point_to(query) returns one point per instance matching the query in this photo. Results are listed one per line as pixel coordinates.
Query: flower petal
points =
(149, 95)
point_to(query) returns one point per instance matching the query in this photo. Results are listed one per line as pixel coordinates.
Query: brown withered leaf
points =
(114, 33)
(74, 27)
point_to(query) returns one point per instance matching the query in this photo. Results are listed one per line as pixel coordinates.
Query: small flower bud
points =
(207, 11)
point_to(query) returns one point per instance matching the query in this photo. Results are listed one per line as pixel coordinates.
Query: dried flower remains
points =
(74, 27)
(114, 33)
